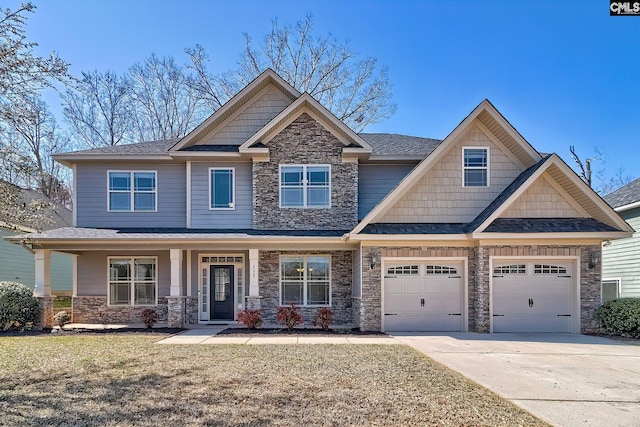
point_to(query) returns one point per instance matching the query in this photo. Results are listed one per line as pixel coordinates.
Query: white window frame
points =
(618, 281)
(232, 204)
(131, 191)
(304, 280)
(487, 168)
(132, 282)
(304, 186)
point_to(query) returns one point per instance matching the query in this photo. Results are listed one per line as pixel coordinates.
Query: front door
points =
(222, 292)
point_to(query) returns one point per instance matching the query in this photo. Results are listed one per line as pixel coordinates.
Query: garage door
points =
(532, 296)
(423, 297)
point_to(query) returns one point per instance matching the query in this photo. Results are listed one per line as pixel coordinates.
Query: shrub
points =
(289, 316)
(149, 317)
(252, 319)
(18, 306)
(61, 318)
(323, 318)
(620, 317)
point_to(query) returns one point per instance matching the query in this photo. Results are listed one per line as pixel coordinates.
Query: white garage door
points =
(532, 296)
(424, 296)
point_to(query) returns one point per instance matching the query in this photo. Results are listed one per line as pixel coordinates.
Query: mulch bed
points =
(297, 331)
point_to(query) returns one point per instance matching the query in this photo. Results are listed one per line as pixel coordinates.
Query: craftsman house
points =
(273, 200)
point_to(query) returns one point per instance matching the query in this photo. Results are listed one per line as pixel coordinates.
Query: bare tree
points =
(356, 90)
(97, 109)
(39, 139)
(22, 73)
(604, 183)
(163, 101)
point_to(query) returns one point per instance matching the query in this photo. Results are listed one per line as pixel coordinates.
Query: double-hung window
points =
(133, 280)
(221, 188)
(305, 280)
(475, 166)
(305, 186)
(132, 191)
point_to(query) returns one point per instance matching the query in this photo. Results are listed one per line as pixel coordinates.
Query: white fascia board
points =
(69, 160)
(207, 154)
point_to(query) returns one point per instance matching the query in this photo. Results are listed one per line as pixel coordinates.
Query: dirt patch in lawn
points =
(297, 331)
(116, 380)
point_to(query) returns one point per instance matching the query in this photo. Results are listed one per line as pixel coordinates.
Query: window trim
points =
(617, 280)
(131, 191)
(304, 281)
(232, 204)
(304, 186)
(487, 168)
(132, 290)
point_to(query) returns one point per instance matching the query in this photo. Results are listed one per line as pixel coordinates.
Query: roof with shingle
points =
(171, 233)
(383, 144)
(547, 225)
(624, 195)
(150, 148)
(416, 228)
(393, 144)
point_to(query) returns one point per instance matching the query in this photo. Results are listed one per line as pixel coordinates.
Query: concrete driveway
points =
(564, 379)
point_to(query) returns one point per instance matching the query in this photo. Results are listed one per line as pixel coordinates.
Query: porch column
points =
(253, 299)
(176, 272)
(42, 289)
(176, 301)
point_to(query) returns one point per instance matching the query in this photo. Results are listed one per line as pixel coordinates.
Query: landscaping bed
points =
(297, 331)
(65, 332)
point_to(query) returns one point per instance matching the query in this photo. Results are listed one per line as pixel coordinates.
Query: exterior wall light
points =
(594, 260)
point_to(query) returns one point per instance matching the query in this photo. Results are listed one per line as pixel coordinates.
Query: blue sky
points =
(562, 72)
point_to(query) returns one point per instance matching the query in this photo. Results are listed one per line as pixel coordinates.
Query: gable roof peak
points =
(264, 79)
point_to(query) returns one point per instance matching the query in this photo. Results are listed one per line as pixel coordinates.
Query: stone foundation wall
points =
(341, 278)
(90, 309)
(46, 312)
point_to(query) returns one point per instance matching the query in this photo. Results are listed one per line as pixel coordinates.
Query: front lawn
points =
(118, 380)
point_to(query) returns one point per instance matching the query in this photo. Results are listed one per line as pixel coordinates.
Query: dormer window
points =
(305, 186)
(475, 166)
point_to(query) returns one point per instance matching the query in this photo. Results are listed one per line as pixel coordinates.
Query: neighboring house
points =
(621, 258)
(273, 200)
(17, 263)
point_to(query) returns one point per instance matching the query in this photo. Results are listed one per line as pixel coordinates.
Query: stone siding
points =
(305, 141)
(590, 290)
(355, 311)
(46, 311)
(341, 277)
(95, 310)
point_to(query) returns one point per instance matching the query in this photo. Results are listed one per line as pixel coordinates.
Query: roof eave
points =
(414, 237)
(627, 207)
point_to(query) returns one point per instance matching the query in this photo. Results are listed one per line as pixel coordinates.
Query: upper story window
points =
(131, 191)
(305, 186)
(222, 188)
(475, 166)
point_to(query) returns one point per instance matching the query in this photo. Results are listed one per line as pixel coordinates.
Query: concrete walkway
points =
(209, 336)
(564, 379)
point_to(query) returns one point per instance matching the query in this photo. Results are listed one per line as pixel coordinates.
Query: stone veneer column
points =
(371, 294)
(481, 291)
(590, 290)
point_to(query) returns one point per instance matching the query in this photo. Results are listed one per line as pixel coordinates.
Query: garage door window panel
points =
(549, 269)
(404, 270)
(440, 270)
(510, 269)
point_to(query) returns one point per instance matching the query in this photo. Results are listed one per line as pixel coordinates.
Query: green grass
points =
(62, 303)
(120, 380)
